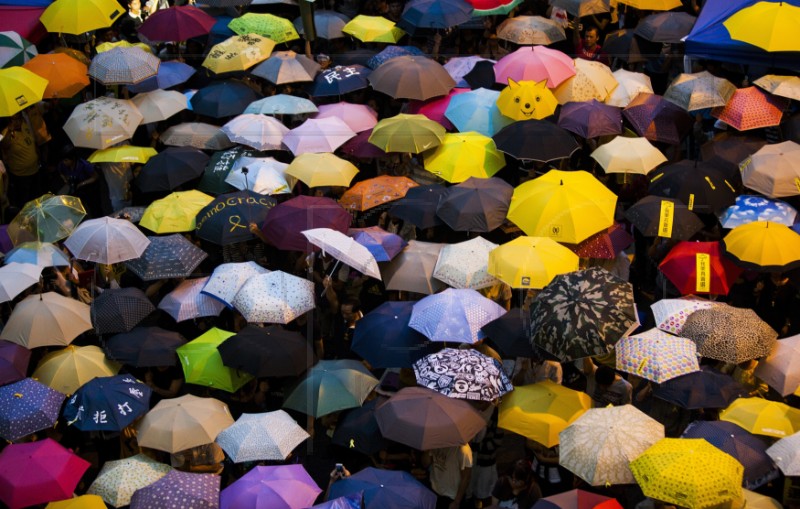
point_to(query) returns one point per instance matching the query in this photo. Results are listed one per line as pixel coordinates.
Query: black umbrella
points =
(706, 388)
(670, 27)
(218, 167)
(399, 346)
(120, 310)
(645, 215)
(481, 75)
(167, 257)
(225, 98)
(535, 140)
(268, 351)
(227, 219)
(340, 80)
(358, 429)
(170, 168)
(145, 347)
(700, 187)
(726, 152)
(418, 206)
(623, 45)
(509, 334)
(475, 205)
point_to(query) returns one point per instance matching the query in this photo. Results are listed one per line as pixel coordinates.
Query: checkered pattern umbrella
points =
(257, 437)
(124, 66)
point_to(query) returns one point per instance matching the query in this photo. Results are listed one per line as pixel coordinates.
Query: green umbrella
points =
(268, 25)
(48, 218)
(202, 364)
(331, 386)
(15, 50)
(218, 168)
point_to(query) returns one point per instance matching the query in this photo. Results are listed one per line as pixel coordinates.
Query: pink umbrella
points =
(535, 63)
(751, 108)
(318, 135)
(37, 472)
(434, 108)
(359, 117)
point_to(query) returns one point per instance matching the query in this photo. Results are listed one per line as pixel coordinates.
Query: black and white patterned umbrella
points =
(167, 257)
(119, 310)
(462, 374)
(729, 334)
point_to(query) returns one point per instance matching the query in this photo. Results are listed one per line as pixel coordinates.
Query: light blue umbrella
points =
(477, 111)
(282, 104)
(454, 315)
(383, 245)
(44, 254)
(749, 208)
(390, 52)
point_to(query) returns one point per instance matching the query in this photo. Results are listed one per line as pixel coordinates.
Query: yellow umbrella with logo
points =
(176, 213)
(464, 155)
(763, 245)
(80, 16)
(772, 26)
(19, 88)
(763, 417)
(238, 53)
(373, 29)
(407, 133)
(123, 154)
(531, 262)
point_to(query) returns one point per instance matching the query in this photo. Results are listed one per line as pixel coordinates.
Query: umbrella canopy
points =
(344, 249)
(535, 140)
(15, 50)
(357, 428)
(784, 453)
(202, 362)
(412, 270)
(14, 361)
(119, 309)
(657, 119)
(167, 257)
(181, 423)
(530, 30)
(582, 313)
(107, 240)
(359, 117)
(48, 218)
(464, 155)
(477, 205)
(276, 297)
(699, 91)
(764, 246)
(180, 489)
(21, 88)
(145, 347)
(46, 319)
(629, 86)
(698, 267)
(266, 436)
(317, 135)
(666, 27)
(79, 502)
(16, 277)
(592, 80)
(228, 278)
(390, 52)
(283, 486)
(267, 351)
(606, 244)
(463, 264)
(376, 191)
(773, 170)
(535, 63)
(178, 23)
(509, 335)
(530, 262)
(330, 386)
(169, 74)
(123, 66)
(706, 388)
(407, 133)
(68, 369)
(26, 407)
(78, 17)
(454, 315)
(268, 25)
(763, 417)
(170, 168)
(175, 213)
(122, 154)
(751, 108)
(400, 345)
(411, 77)
(476, 111)
(287, 67)
(198, 135)
(340, 80)
(784, 86)
(436, 13)
(577, 499)
(322, 169)
(666, 470)
(627, 155)
(383, 245)
(226, 219)
(462, 374)
(263, 175)
(285, 221)
(700, 187)
(373, 29)
(385, 489)
(598, 448)
(581, 8)
(238, 53)
(118, 480)
(37, 472)
(425, 419)
(779, 369)
(328, 24)
(766, 25)
(186, 301)
(656, 356)
(418, 206)
(225, 98)
(542, 410)
(590, 119)
(729, 334)
(102, 122)
(65, 75)
(671, 314)
(107, 403)
(654, 216)
(257, 131)
(281, 104)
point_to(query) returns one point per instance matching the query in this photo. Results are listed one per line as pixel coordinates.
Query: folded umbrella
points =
(26, 407)
(267, 351)
(144, 347)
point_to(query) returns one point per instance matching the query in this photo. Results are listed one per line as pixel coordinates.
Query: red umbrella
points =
(23, 20)
(177, 24)
(285, 221)
(37, 472)
(657, 119)
(687, 260)
(577, 499)
(751, 108)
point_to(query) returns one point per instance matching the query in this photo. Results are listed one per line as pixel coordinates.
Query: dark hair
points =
(604, 375)
(522, 471)
(591, 28)
(354, 303)
(68, 152)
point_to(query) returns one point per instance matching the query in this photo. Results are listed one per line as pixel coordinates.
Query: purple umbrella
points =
(280, 487)
(359, 146)
(590, 119)
(454, 315)
(179, 489)
(383, 245)
(26, 407)
(352, 501)
(285, 221)
(13, 362)
(657, 119)
(5, 241)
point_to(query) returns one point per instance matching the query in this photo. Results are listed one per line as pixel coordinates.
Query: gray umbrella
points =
(167, 257)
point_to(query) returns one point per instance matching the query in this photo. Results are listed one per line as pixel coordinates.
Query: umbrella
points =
(285, 221)
(238, 53)
(102, 122)
(21, 88)
(16, 277)
(666, 27)
(577, 499)
(657, 119)
(418, 206)
(778, 370)
(122, 154)
(26, 407)
(358, 117)
(442, 14)
(327, 24)
(46, 319)
(412, 270)
(78, 17)
(477, 111)
(411, 77)
(582, 313)
(169, 74)
(622, 45)
(566, 206)
(108, 46)
(700, 187)
(179, 489)
(123, 66)
(629, 86)
(358, 429)
(530, 30)
(462, 374)
(281, 104)
(773, 170)
(464, 264)
(276, 297)
(530, 262)
(390, 52)
(784, 453)
(15, 50)
(202, 362)
(671, 314)
(321, 169)
(509, 335)
(119, 309)
(225, 98)
(598, 447)
(181, 423)
(706, 388)
(196, 134)
(225, 220)
(144, 347)
(317, 135)
(65, 76)
(590, 119)
(171, 168)
(68, 369)
(425, 419)
(542, 410)
(340, 80)
(344, 249)
(48, 218)
(268, 25)
(592, 80)
(652, 5)
(43, 254)
(107, 240)
(628, 155)
(107, 403)
(330, 386)
(581, 8)
(283, 486)
(606, 244)
(699, 91)
(763, 417)
(766, 25)
(459, 66)
(477, 205)
(464, 155)
(373, 29)
(383, 245)
(179, 23)
(400, 345)
(159, 104)
(764, 246)
(728, 150)
(535, 63)
(375, 192)
(698, 267)
(186, 301)
(265, 436)
(654, 216)
(385, 489)
(535, 140)
(784, 86)
(228, 278)
(656, 356)
(729, 334)
(79, 502)
(14, 361)
(170, 256)
(407, 133)
(751, 108)
(436, 107)
(666, 470)
(220, 165)
(37, 472)
(455, 315)
(118, 480)
(263, 175)
(267, 351)
(175, 213)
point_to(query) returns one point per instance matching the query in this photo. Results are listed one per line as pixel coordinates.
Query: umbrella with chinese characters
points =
(238, 53)
(699, 267)
(275, 27)
(107, 403)
(102, 122)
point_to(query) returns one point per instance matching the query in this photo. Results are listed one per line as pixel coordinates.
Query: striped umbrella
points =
(15, 50)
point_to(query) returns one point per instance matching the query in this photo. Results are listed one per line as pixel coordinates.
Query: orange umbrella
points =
(66, 75)
(751, 108)
(375, 191)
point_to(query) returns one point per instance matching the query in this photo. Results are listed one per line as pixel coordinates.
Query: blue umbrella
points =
(454, 315)
(352, 501)
(400, 345)
(749, 208)
(358, 429)
(390, 52)
(226, 98)
(220, 31)
(169, 74)
(477, 111)
(166, 257)
(383, 245)
(340, 80)
(26, 407)
(386, 489)
(436, 13)
(108, 403)
(702, 389)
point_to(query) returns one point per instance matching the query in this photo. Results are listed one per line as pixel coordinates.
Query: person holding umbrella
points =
(450, 473)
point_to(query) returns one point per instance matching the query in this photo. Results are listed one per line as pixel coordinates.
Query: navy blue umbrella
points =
(226, 98)
(26, 407)
(418, 206)
(167, 256)
(399, 345)
(358, 429)
(510, 335)
(170, 168)
(436, 13)
(108, 403)
(340, 80)
(120, 310)
(226, 220)
(702, 389)
(390, 52)
(145, 347)
(386, 489)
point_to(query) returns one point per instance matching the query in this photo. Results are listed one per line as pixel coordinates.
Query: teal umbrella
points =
(15, 50)
(331, 386)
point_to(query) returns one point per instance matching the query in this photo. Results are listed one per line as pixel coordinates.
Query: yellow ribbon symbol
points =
(352, 443)
(236, 221)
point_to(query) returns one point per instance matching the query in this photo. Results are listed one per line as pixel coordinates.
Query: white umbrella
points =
(630, 84)
(786, 454)
(160, 104)
(260, 132)
(47, 319)
(107, 240)
(276, 297)
(318, 135)
(16, 278)
(265, 436)
(187, 301)
(781, 370)
(671, 314)
(102, 122)
(345, 249)
(265, 175)
(466, 264)
(228, 278)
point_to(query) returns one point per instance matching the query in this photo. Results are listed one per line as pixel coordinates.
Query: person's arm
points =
(588, 366)
(466, 476)
(330, 293)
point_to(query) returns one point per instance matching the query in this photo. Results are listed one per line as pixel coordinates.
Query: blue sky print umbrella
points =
(108, 403)
(26, 407)
(749, 208)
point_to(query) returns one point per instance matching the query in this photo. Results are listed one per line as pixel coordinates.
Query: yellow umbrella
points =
(763, 245)
(323, 169)
(566, 206)
(628, 155)
(541, 411)
(122, 154)
(652, 5)
(80, 16)
(763, 417)
(373, 29)
(592, 80)
(526, 100)
(19, 88)
(772, 26)
(238, 53)
(67, 369)
(688, 472)
(175, 213)
(101, 48)
(464, 155)
(784, 86)
(82, 502)
(407, 133)
(531, 262)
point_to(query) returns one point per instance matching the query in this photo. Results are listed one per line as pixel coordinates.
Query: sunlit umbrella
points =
(530, 262)
(779, 370)
(375, 192)
(107, 240)
(196, 134)
(282, 486)
(763, 417)
(359, 117)
(530, 30)
(260, 132)
(454, 315)
(477, 111)
(526, 100)
(656, 356)
(629, 85)
(699, 91)
(168, 256)
(773, 170)
(407, 133)
(17, 277)
(276, 297)
(46, 319)
(767, 25)
(317, 135)
(68, 369)
(48, 218)
(159, 105)
(592, 80)
(699, 267)
(322, 169)
(181, 423)
(751, 108)
(344, 249)
(102, 122)
(175, 213)
(122, 154)
(784, 86)
(763, 245)
(628, 155)
(373, 29)
(281, 104)
(729, 334)
(43, 254)
(238, 53)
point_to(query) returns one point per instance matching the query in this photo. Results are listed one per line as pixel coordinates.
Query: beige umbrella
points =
(530, 30)
(630, 84)
(592, 80)
(412, 270)
(102, 122)
(628, 155)
(784, 86)
(160, 104)
(182, 423)
(781, 370)
(774, 170)
(197, 135)
(699, 90)
(67, 369)
(47, 319)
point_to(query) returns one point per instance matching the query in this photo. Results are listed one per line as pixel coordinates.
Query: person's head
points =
(521, 474)
(134, 6)
(68, 155)
(604, 376)
(349, 309)
(591, 36)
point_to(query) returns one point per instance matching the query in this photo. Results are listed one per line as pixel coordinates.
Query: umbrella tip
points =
(561, 182)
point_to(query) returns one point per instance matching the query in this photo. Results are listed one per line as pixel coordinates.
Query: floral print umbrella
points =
(118, 480)
(463, 374)
(656, 356)
(179, 489)
(265, 436)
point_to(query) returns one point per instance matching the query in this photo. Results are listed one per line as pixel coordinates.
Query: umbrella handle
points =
(335, 266)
